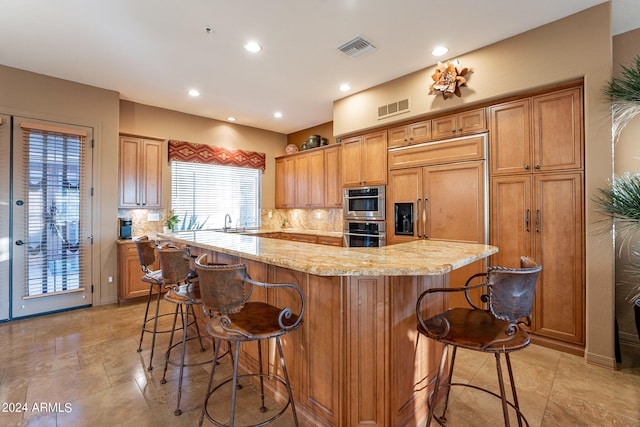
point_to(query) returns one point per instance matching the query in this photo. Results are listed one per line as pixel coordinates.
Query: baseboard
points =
(600, 360)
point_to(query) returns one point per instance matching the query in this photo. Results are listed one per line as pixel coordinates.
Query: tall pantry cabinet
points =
(537, 206)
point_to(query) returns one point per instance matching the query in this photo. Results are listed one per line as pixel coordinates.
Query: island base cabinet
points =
(357, 359)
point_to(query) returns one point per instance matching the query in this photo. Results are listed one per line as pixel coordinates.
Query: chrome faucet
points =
(227, 222)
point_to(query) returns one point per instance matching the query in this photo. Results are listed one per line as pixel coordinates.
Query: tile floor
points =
(81, 368)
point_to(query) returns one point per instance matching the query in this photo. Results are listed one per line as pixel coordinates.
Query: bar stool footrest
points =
(261, 409)
(442, 422)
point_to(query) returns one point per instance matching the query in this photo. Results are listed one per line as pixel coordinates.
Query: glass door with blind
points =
(5, 243)
(51, 217)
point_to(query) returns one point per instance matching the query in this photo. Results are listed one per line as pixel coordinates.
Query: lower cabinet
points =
(129, 273)
(541, 215)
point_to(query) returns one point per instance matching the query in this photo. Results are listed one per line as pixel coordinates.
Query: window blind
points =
(54, 165)
(202, 194)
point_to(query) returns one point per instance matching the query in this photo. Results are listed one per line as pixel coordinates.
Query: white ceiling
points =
(153, 51)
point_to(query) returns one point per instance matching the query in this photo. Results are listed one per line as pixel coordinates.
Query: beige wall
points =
(578, 46)
(156, 122)
(47, 98)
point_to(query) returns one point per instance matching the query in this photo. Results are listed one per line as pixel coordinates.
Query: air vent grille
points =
(393, 108)
(357, 47)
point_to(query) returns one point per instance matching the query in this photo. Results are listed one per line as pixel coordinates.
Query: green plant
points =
(627, 86)
(172, 221)
(620, 201)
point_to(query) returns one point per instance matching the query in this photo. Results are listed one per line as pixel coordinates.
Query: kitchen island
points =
(357, 359)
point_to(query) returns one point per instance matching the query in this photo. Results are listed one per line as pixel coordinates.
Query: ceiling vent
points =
(357, 47)
(393, 108)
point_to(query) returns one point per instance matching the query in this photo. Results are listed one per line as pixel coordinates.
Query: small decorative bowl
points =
(291, 148)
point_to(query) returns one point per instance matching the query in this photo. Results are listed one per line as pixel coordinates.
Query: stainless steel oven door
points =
(364, 234)
(364, 203)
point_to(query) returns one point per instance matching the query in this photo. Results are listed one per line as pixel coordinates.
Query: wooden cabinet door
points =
(130, 274)
(374, 159)
(557, 131)
(285, 182)
(512, 219)
(443, 127)
(455, 211)
(351, 158)
(510, 138)
(302, 176)
(129, 172)
(333, 177)
(419, 132)
(366, 337)
(405, 186)
(140, 173)
(471, 122)
(151, 178)
(559, 230)
(398, 137)
(323, 353)
(315, 177)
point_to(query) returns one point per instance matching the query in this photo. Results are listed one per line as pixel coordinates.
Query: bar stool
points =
(225, 293)
(147, 257)
(184, 293)
(510, 295)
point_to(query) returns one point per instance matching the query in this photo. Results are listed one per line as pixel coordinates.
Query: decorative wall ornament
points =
(448, 78)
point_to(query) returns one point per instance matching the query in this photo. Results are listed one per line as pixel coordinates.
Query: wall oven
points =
(364, 203)
(364, 234)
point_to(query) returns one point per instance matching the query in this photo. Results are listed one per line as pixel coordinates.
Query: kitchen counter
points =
(420, 257)
(356, 360)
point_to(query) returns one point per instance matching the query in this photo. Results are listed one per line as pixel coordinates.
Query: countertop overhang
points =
(417, 258)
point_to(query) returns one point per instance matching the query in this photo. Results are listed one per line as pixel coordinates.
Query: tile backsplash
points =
(271, 219)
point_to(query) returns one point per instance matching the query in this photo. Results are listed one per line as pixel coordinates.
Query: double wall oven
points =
(364, 216)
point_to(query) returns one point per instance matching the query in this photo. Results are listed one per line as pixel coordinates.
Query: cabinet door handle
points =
(459, 129)
(526, 220)
(527, 167)
(418, 218)
(453, 131)
(537, 220)
(424, 218)
(537, 166)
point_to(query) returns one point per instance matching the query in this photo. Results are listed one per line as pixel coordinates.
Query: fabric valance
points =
(183, 151)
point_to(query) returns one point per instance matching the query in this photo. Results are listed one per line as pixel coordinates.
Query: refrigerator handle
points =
(424, 218)
(419, 217)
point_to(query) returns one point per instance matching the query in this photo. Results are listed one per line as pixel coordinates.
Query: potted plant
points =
(620, 200)
(172, 221)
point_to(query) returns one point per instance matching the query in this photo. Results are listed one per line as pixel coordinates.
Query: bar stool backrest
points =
(146, 253)
(512, 290)
(174, 263)
(222, 286)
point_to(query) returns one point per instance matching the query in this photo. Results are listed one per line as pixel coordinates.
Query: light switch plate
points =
(153, 216)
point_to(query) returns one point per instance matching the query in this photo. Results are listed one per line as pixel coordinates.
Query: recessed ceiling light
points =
(253, 47)
(439, 51)
(231, 119)
(277, 115)
(194, 92)
(344, 87)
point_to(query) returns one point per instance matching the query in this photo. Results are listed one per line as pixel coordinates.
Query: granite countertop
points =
(417, 258)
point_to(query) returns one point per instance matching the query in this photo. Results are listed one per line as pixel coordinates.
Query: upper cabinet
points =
(464, 123)
(538, 134)
(364, 160)
(332, 177)
(414, 133)
(310, 179)
(140, 167)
